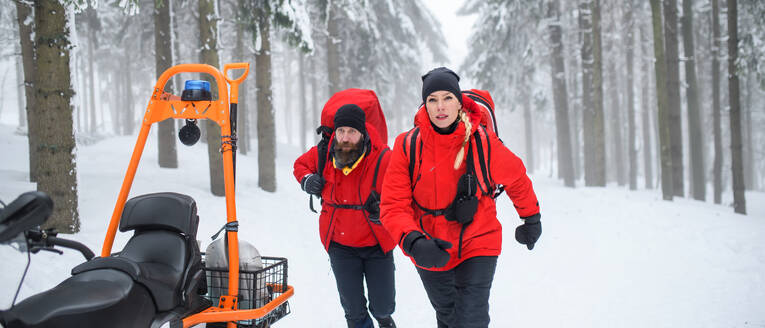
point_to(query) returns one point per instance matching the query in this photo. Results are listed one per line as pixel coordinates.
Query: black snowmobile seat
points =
(158, 254)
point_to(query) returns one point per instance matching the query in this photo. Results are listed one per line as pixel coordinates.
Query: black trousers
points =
(460, 296)
(351, 266)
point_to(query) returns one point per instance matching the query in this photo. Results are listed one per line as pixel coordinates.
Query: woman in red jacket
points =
(434, 206)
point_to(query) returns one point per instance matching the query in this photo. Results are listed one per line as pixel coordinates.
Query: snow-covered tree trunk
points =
(333, 52)
(695, 137)
(660, 65)
(55, 165)
(739, 201)
(163, 59)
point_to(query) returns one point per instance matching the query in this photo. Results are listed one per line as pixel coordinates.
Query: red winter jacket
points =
(349, 227)
(437, 186)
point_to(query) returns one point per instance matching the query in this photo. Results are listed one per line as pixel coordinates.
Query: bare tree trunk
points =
(163, 59)
(560, 96)
(645, 103)
(56, 166)
(739, 201)
(266, 129)
(314, 99)
(575, 118)
(92, 75)
(615, 118)
(716, 121)
(661, 95)
(631, 149)
(588, 110)
(695, 137)
(749, 174)
(303, 108)
(24, 13)
(208, 35)
(333, 53)
(673, 95)
(596, 117)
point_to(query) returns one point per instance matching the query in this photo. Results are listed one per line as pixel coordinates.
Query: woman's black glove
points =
(312, 184)
(528, 233)
(427, 253)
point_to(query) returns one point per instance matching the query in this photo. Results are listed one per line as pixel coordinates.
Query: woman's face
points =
(443, 108)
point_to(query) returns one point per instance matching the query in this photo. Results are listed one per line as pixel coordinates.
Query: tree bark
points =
(631, 149)
(560, 96)
(288, 120)
(739, 201)
(92, 71)
(163, 59)
(56, 166)
(25, 19)
(673, 95)
(20, 88)
(596, 115)
(660, 65)
(591, 150)
(315, 111)
(208, 35)
(645, 103)
(333, 51)
(266, 129)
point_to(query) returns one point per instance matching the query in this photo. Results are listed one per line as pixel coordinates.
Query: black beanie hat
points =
(352, 116)
(438, 79)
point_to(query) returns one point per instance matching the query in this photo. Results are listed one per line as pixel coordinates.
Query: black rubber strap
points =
(413, 153)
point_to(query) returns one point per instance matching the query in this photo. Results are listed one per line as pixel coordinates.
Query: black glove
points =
(427, 253)
(372, 206)
(312, 184)
(528, 233)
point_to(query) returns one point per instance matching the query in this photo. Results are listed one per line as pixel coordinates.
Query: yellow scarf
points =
(347, 170)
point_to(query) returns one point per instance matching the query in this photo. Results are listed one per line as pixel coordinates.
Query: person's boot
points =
(386, 322)
(365, 323)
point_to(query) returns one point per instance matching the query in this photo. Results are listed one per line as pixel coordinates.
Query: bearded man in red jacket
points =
(358, 245)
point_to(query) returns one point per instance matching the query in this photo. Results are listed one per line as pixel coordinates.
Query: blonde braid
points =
(468, 127)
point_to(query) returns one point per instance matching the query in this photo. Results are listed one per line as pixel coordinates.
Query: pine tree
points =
(695, 137)
(660, 64)
(163, 59)
(560, 95)
(739, 200)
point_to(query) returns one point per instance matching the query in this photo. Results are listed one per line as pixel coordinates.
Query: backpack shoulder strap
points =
(377, 168)
(323, 150)
(412, 140)
(483, 152)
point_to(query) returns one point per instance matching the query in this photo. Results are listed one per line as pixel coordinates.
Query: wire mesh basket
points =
(256, 289)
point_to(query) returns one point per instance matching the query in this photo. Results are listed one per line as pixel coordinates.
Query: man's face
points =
(347, 137)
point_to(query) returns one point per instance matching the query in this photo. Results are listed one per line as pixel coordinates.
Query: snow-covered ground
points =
(608, 257)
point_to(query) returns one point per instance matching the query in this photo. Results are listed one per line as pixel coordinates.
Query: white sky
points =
(456, 30)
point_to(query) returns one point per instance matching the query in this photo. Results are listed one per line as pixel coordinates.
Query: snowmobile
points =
(159, 278)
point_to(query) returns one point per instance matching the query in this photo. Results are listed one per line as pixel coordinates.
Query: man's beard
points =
(347, 153)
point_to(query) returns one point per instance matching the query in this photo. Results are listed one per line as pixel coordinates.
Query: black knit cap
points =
(439, 79)
(352, 116)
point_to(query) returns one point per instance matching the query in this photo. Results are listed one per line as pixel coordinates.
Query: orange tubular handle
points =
(235, 82)
(213, 314)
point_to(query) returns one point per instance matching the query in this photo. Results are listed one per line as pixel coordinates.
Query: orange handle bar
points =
(214, 314)
(235, 82)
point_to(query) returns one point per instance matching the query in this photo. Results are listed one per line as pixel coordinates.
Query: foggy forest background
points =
(666, 95)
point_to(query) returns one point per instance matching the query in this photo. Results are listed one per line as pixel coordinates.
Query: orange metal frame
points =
(163, 106)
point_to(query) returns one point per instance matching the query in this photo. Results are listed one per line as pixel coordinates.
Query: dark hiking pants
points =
(460, 296)
(351, 265)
